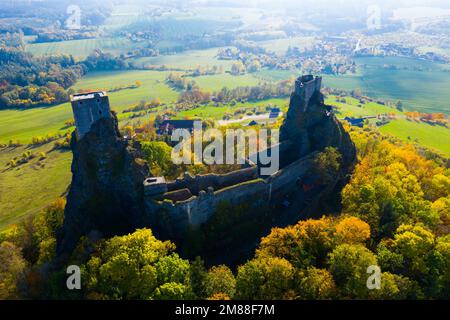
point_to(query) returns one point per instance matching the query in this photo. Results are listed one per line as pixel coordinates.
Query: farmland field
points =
(275, 75)
(186, 60)
(433, 136)
(421, 85)
(218, 81)
(80, 49)
(280, 46)
(29, 187)
(352, 107)
(217, 113)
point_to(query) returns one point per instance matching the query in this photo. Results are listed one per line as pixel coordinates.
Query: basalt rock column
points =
(106, 194)
(310, 125)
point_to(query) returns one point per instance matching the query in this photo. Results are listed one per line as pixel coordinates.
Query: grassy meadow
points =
(432, 136)
(218, 81)
(420, 85)
(187, 60)
(217, 113)
(80, 49)
(27, 188)
(280, 46)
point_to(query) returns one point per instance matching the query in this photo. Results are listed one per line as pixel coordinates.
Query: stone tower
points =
(306, 86)
(310, 124)
(88, 108)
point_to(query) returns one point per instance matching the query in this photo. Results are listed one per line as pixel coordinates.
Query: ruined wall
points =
(199, 209)
(216, 181)
(287, 177)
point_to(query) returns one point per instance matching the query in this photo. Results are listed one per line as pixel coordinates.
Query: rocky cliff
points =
(310, 126)
(106, 193)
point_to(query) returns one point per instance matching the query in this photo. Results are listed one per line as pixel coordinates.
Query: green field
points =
(421, 85)
(218, 81)
(433, 136)
(80, 49)
(280, 46)
(217, 113)
(186, 60)
(353, 108)
(28, 188)
(275, 75)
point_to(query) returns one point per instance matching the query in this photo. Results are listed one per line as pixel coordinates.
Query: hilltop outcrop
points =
(218, 216)
(106, 193)
(311, 125)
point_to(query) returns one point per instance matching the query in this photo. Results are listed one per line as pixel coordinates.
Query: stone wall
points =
(199, 209)
(216, 181)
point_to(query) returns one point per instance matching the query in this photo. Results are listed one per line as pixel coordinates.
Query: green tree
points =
(264, 278)
(254, 66)
(316, 284)
(134, 266)
(220, 279)
(327, 164)
(348, 265)
(12, 269)
(414, 243)
(197, 276)
(172, 291)
(159, 156)
(396, 287)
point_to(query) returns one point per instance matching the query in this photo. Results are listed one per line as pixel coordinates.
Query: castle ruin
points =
(172, 208)
(88, 108)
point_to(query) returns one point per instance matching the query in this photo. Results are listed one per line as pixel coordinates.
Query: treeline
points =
(260, 92)
(432, 118)
(27, 81)
(177, 81)
(239, 94)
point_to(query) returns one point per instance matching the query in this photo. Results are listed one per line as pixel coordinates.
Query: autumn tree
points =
(305, 244)
(220, 280)
(138, 266)
(265, 278)
(352, 230)
(237, 68)
(158, 154)
(12, 269)
(348, 264)
(316, 284)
